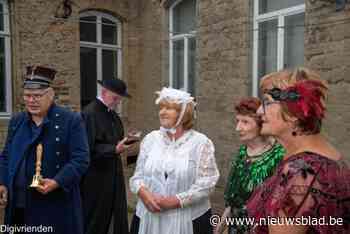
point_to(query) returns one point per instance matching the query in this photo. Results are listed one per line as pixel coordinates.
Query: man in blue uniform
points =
(56, 202)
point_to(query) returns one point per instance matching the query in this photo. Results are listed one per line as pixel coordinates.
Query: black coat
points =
(103, 187)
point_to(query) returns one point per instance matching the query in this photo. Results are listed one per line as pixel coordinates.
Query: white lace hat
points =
(176, 96)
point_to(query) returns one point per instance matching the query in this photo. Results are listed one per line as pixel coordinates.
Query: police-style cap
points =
(38, 77)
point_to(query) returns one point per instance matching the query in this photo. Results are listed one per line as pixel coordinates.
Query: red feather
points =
(309, 108)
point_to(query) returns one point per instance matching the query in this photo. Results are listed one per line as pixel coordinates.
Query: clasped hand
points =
(157, 203)
(46, 186)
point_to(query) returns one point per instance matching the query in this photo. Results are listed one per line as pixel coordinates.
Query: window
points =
(100, 52)
(278, 36)
(5, 61)
(182, 54)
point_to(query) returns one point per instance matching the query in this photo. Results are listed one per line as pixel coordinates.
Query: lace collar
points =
(180, 141)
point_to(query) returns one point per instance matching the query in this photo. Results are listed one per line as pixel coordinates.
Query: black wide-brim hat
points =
(117, 86)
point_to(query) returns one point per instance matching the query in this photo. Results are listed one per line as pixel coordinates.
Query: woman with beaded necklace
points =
(256, 160)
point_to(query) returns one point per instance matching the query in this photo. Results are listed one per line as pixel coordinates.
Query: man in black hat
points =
(103, 188)
(64, 159)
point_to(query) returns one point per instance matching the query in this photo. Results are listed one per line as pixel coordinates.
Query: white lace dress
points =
(185, 168)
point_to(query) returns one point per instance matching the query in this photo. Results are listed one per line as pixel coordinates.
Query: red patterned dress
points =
(308, 186)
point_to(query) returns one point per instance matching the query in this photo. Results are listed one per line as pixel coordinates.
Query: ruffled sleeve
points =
(136, 181)
(206, 177)
(307, 185)
(292, 195)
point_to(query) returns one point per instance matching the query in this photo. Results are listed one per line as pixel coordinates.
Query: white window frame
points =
(99, 46)
(258, 18)
(7, 36)
(177, 37)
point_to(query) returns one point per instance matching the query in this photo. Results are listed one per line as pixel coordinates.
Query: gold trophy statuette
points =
(37, 177)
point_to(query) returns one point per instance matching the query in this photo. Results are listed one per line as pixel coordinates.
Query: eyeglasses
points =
(267, 102)
(35, 96)
(280, 95)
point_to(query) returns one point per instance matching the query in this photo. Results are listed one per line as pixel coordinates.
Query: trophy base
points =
(36, 181)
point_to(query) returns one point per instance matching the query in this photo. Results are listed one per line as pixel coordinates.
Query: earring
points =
(295, 130)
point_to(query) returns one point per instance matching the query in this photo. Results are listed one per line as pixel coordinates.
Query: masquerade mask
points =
(284, 95)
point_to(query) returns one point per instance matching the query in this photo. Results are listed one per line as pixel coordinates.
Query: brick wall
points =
(223, 69)
(327, 50)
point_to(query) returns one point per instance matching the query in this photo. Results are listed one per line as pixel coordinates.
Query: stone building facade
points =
(215, 49)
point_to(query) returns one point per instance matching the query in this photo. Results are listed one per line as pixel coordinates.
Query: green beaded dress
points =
(245, 175)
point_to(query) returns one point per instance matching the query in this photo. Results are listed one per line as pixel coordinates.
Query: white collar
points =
(103, 102)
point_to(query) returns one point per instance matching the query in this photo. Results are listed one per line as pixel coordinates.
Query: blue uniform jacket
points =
(65, 159)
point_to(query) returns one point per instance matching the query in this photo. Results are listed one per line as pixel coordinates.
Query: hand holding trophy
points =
(37, 177)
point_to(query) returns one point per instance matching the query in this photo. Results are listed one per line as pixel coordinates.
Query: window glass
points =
(109, 32)
(100, 52)
(1, 17)
(178, 64)
(294, 40)
(88, 29)
(267, 47)
(266, 6)
(109, 64)
(2, 76)
(184, 17)
(192, 66)
(88, 74)
(183, 45)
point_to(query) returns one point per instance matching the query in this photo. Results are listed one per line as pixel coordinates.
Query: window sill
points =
(5, 116)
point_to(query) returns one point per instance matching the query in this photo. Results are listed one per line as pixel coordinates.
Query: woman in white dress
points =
(175, 172)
